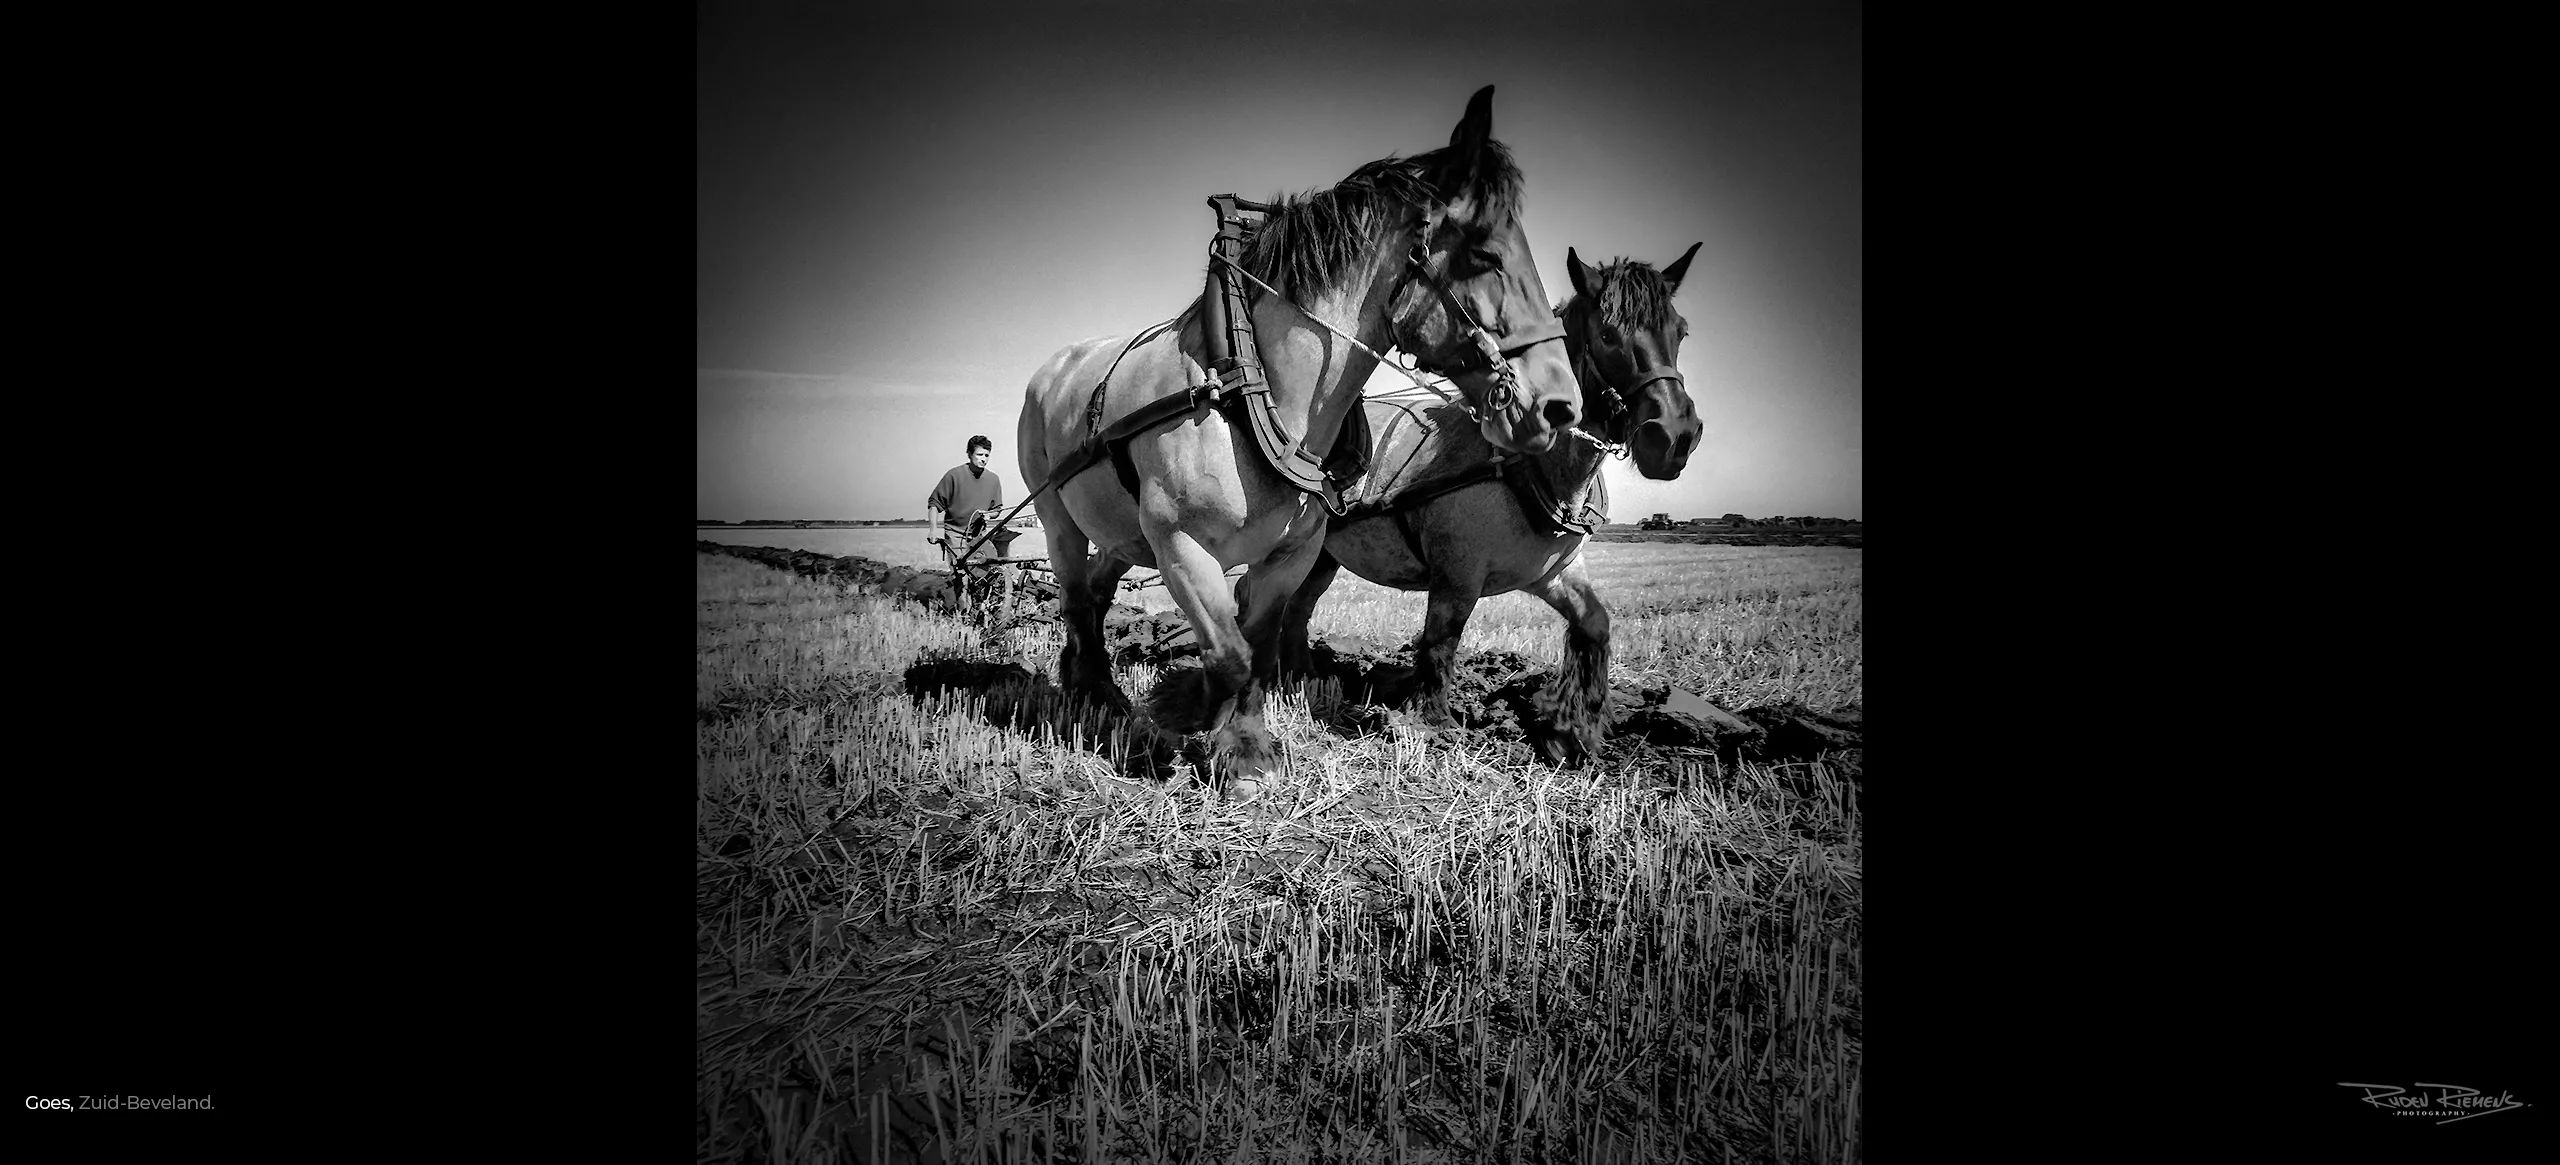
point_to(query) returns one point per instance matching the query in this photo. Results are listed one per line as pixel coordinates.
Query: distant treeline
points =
(1721, 536)
(1738, 522)
(1729, 522)
(809, 523)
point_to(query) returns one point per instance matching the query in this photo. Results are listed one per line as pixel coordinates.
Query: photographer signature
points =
(2451, 1101)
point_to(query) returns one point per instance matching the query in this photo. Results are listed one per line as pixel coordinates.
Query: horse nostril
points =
(1680, 448)
(1559, 414)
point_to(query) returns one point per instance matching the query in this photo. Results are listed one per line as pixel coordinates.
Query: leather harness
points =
(1239, 385)
(1572, 514)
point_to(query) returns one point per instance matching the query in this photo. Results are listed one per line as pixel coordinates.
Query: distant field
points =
(929, 932)
(895, 545)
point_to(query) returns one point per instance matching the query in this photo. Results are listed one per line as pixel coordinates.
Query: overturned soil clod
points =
(1495, 692)
(1136, 636)
(1491, 692)
(1012, 696)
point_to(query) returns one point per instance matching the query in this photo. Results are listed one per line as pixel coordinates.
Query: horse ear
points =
(1476, 126)
(1583, 277)
(1671, 274)
(1466, 145)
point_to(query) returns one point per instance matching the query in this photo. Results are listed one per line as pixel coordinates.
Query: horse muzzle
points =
(1528, 410)
(1661, 451)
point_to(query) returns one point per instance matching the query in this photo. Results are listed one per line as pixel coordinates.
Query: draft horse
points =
(1426, 253)
(1443, 513)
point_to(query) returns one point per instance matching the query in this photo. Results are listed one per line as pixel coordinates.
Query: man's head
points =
(979, 450)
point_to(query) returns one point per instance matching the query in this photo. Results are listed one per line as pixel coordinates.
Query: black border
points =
(2164, 854)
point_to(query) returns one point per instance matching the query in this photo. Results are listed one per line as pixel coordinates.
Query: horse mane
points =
(1309, 244)
(1632, 296)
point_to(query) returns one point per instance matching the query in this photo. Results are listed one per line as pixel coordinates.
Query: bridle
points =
(1489, 354)
(1620, 412)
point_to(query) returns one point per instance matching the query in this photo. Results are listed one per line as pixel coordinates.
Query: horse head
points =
(1625, 344)
(1501, 346)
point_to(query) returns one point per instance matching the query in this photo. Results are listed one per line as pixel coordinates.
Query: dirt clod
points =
(1491, 692)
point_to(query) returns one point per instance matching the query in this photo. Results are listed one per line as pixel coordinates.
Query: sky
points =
(900, 215)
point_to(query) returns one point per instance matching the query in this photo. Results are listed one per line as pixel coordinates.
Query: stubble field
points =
(954, 926)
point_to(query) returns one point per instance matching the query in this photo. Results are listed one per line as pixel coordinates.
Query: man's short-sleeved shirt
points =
(959, 495)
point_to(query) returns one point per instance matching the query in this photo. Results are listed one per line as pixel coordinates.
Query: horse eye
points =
(1608, 335)
(1486, 259)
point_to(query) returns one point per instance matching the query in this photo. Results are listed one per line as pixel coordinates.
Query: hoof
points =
(1107, 697)
(1553, 752)
(1562, 752)
(1244, 759)
(1253, 766)
(1180, 701)
(1242, 790)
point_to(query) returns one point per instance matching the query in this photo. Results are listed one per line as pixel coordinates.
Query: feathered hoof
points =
(1180, 700)
(1106, 697)
(1244, 790)
(1247, 759)
(1567, 734)
(1567, 750)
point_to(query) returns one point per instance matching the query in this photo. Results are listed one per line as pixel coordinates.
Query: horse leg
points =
(1263, 598)
(1197, 583)
(1231, 683)
(1084, 664)
(1575, 707)
(1436, 651)
(1102, 588)
(1296, 659)
(1102, 578)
